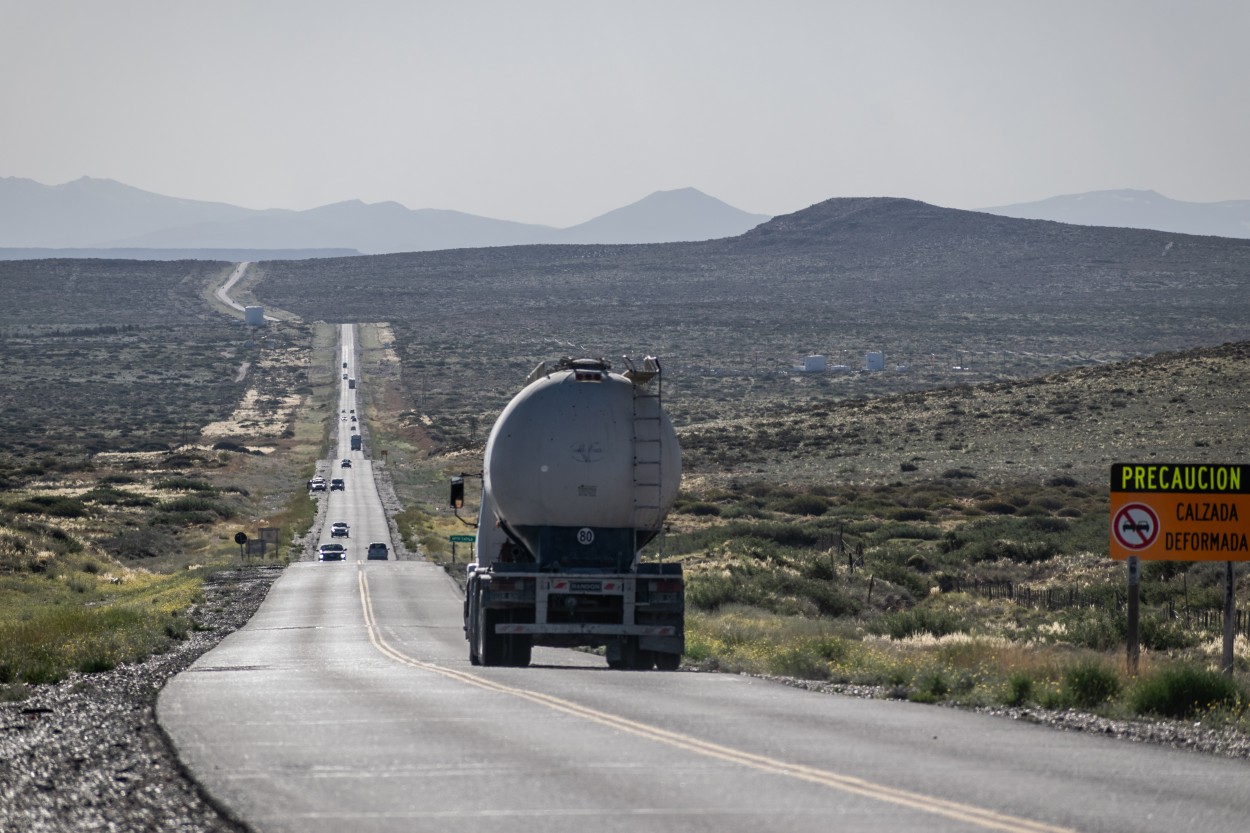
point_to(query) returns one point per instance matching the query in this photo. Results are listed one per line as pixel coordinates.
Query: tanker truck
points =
(579, 472)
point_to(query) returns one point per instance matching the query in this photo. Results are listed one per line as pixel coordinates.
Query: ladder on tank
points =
(648, 449)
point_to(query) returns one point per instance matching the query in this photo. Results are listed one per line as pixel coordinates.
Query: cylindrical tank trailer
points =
(581, 467)
(579, 472)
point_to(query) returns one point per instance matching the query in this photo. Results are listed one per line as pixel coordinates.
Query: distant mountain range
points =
(1137, 209)
(101, 215)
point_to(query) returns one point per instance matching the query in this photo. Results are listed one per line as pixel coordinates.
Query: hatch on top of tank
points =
(585, 370)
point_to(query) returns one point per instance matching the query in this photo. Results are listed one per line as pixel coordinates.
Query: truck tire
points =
(494, 646)
(520, 649)
(667, 662)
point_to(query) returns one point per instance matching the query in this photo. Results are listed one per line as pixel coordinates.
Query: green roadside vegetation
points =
(949, 591)
(103, 556)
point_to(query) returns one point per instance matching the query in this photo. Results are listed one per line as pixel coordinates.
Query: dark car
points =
(337, 485)
(377, 552)
(332, 552)
(346, 464)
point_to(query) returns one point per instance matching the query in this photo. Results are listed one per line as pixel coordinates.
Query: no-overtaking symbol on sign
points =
(1136, 526)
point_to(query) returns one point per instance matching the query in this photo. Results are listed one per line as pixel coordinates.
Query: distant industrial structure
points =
(254, 316)
(814, 364)
(874, 361)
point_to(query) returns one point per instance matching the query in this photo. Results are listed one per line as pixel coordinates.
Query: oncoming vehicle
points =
(377, 552)
(317, 484)
(332, 552)
(346, 464)
(337, 485)
(339, 529)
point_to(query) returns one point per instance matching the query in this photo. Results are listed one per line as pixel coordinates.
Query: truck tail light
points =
(668, 585)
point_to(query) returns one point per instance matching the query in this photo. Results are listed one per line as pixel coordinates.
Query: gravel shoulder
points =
(88, 754)
(1178, 734)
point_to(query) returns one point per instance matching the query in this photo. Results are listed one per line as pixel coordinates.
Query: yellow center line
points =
(978, 816)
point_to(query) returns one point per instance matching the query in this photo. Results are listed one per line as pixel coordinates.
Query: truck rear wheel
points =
(494, 646)
(667, 662)
(520, 649)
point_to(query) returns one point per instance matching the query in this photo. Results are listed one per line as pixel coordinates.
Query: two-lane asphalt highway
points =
(348, 703)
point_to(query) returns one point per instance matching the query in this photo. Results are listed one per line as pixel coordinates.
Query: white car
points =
(332, 552)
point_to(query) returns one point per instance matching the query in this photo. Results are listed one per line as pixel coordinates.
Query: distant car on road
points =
(344, 364)
(377, 552)
(346, 464)
(337, 485)
(344, 375)
(339, 529)
(317, 484)
(332, 552)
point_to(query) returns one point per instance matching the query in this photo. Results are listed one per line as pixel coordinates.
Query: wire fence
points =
(1062, 598)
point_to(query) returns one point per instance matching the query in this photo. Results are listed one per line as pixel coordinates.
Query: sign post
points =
(459, 539)
(240, 538)
(1182, 512)
(1134, 618)
(1230, 619)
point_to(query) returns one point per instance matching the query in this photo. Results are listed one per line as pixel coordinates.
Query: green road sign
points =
(462, 539)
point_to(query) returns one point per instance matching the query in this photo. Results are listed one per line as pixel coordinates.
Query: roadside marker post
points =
(1134, 627)
(1181, 512)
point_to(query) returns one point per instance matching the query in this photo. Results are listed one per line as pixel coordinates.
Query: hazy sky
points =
(554, 112)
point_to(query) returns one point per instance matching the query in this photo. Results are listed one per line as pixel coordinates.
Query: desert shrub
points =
(799, 661)
(997, 507)
(183, 484)
(1049, 525)
(907, 467)
(1184, 691)
(1016, 551)
(1062, 480)
(910, 514)
(197, 504)
(931, 687)
(1162, 634)
(803, 505)
(56, 506)
(184, 519)
(149, 542)
(1098, 630)
(108, 496)
(920, 620)
(916, 585)
(910, 531)
(1090, 684)
(773, 590)
(789, 535)
(699, 508)
(118, 479)
(1019, 689)
(959, 474)
(50, 537)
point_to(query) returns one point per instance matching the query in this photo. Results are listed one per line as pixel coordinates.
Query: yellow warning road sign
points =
(1180, 511)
